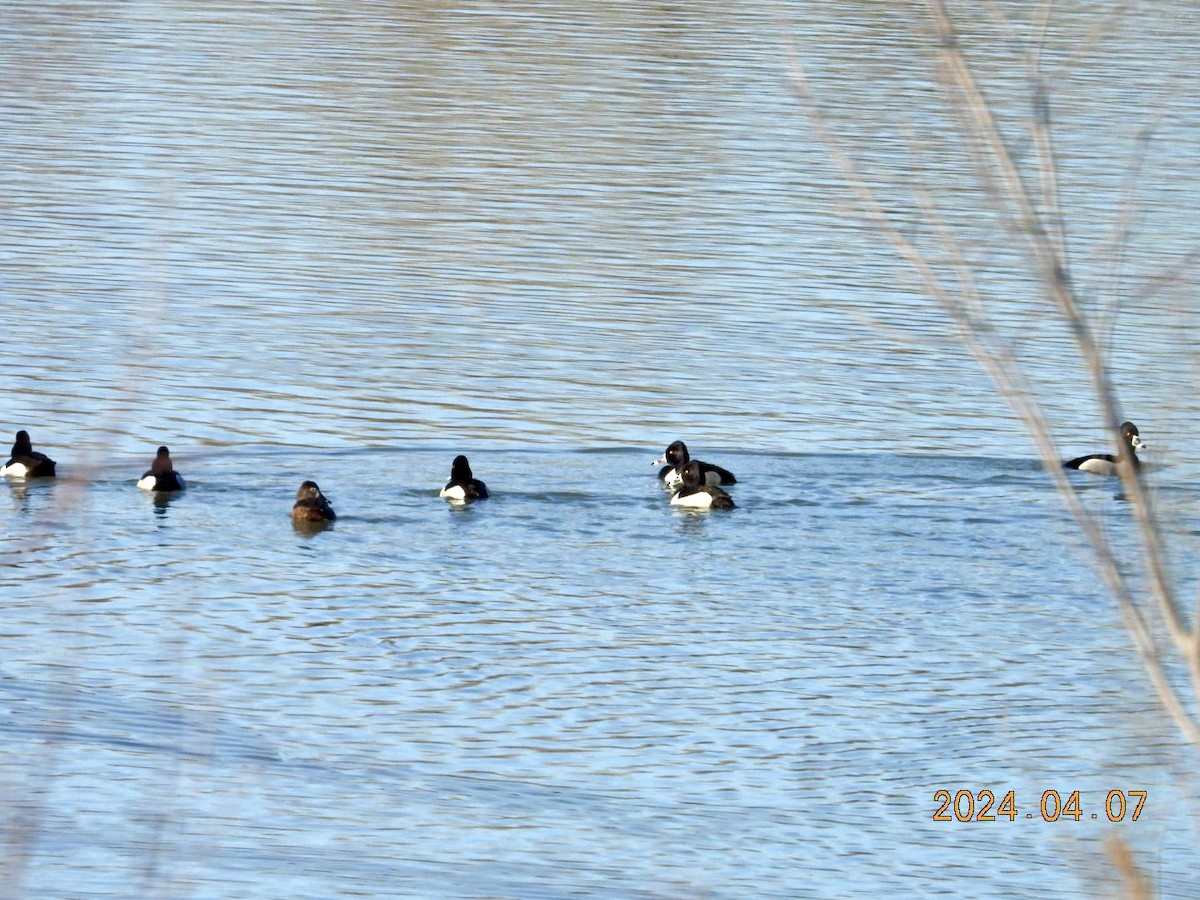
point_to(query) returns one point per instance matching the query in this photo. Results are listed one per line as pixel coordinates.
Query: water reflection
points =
(18, 490)
(31, 494)
(161, 501)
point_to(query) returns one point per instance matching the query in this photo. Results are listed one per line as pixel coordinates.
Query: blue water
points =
(348, 242)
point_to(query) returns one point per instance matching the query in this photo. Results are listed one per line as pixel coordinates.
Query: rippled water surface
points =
(350, 241)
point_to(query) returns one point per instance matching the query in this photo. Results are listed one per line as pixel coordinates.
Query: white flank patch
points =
(148, 483)
(453, 492)
(16, 470)
(1098, 467)
(698, 500)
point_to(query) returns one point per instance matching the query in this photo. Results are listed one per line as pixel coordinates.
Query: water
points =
(347, 242)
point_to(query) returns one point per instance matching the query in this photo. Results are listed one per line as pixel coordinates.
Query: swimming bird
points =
(676, 457)
(463, 485)
(162, 476)
(27, 462)
(697, 495)
(311, 505)
(1106, 463)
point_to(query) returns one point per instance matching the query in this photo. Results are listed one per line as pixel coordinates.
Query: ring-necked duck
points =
(463, 485)
(1106, 463)
(676, 457)
(27, 462)
(695, 495)
(311, 505)
(162, 476)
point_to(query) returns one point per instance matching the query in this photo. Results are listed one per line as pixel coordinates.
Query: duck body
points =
(161, 476)
(25, 462)
(676, 457)
(463, 486)
(1106, 463)
(695, 494)
(311, 505)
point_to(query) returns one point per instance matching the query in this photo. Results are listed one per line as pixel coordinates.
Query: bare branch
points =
(1041, 228)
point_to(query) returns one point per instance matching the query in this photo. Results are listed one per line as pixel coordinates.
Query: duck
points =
(463, 486)
(161, 476)
(1106, 463)
(311, 505)
(676, 457)
(697, 495)
(27, 462)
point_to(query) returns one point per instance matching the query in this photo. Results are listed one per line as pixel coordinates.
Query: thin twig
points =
(1048, 252)
(1053, 270)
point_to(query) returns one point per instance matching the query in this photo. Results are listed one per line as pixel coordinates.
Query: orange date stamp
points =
(981, 806)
